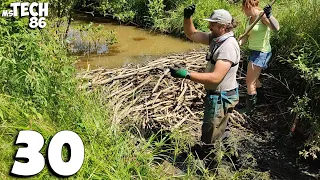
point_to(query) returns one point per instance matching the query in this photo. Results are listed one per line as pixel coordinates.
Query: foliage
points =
(306, 60)
(39, 90)
(33, 73)
(297, 46)
(62, 9)
(162, 15)
(89, 38)
(120, 9)
(156, 12)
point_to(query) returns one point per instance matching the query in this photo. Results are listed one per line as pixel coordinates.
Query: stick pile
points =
(149, 93)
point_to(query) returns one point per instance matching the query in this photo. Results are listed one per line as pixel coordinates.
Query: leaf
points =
(36, 112)
(1, 115)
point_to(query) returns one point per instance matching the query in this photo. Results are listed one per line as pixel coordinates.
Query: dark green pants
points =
(217, 109)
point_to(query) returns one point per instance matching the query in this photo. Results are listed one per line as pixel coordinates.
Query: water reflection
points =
(77, 45)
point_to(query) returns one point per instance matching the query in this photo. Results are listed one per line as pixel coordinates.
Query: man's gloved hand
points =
(188, 11)
(267, 10)
(179, 73)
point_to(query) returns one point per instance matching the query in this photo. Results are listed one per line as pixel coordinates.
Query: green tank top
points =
(259, 37)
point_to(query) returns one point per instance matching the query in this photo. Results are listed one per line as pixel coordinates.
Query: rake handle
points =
(254, 22)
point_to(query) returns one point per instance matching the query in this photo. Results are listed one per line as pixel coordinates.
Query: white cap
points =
(220, 16)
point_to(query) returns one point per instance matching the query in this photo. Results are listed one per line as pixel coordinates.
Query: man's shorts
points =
(259, 58)
(217, 110)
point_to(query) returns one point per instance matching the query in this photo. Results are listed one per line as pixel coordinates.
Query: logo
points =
(36, 11)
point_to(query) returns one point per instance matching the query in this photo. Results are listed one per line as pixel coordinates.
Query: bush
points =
(39, 92)
(297, 48)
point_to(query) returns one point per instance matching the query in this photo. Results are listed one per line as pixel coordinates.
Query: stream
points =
(134, 45)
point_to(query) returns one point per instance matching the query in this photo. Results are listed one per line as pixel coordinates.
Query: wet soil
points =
(274, 148)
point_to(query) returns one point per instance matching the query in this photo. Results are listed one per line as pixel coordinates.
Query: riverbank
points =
(39, 92)
(294, 62)
(147, 99)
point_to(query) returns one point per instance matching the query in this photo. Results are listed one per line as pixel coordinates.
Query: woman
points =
(259, 44)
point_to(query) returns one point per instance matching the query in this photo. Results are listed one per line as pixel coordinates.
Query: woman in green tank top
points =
(259, 44)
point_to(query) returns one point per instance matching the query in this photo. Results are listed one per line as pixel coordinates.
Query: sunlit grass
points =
(39, 92)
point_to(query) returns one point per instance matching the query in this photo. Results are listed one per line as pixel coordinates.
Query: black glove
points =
(267, 10)
(188, 11)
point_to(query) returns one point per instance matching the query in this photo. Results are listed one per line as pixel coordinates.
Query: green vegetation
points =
(87, 38)
(39, 92)
(297, 56)
(39, 89)
(296, 50)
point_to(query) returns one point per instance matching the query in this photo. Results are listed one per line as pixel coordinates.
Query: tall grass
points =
(39, 92)
(297, 57)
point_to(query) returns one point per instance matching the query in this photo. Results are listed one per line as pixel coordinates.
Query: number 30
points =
(36, 162)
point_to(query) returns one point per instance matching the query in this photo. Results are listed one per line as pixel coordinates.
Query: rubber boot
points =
(260, 94)
(251, 101)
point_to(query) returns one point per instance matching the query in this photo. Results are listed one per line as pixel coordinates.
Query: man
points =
(219, 78)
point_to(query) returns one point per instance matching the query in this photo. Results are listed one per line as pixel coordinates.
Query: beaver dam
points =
(149, 93)
(147, 97)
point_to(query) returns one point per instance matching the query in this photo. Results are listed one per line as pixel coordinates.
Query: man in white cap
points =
(219, 78)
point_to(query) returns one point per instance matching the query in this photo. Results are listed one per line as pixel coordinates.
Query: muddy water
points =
(134, 45)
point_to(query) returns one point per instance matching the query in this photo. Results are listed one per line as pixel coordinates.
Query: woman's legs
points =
(257, 61)
(253, 73)
(258, 84)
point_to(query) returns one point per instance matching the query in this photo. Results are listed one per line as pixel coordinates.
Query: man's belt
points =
(228, 93)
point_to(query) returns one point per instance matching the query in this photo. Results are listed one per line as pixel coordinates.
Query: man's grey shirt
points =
(228, 50)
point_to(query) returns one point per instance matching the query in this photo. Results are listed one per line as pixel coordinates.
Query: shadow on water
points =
(139, 39)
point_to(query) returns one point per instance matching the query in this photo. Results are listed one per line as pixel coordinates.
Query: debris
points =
(149, 92)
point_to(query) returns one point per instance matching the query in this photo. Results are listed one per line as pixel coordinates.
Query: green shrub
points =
(39, 92)
(297, 46)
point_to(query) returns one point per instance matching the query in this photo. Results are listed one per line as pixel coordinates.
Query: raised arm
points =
(190, 31)
(269, 20)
